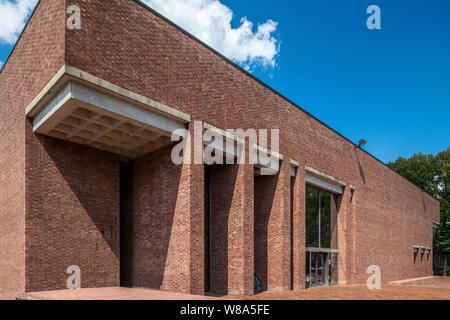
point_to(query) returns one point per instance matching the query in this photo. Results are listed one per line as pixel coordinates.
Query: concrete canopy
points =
(86, 115)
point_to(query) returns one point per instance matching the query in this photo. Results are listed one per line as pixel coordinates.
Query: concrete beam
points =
(324, 181)
(232, 146)
(105, 103)
(67, 73)
(324, 176)
(84, 115)
(124, 109)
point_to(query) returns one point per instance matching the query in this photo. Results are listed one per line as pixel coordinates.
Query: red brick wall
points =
(346, 236)
(389, 216)
(72, 214)
(272, 230)
(298, 231)
(132, 47)
(36, 58)
(122, 42)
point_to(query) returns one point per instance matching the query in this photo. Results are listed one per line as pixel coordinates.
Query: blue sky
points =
(389, 86)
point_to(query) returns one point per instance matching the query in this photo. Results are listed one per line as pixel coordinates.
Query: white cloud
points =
(13, 16)
(1, 65)
(210, 21)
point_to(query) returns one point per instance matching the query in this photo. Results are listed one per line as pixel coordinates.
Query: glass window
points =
(325, 221)
(321, 219)
(312, 218)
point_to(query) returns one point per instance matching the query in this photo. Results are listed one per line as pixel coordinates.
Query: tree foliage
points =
(432, 174)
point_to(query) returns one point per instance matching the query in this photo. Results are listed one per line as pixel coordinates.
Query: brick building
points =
(86, 176)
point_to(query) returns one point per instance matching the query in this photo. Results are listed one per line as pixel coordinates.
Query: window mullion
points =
(320, 245)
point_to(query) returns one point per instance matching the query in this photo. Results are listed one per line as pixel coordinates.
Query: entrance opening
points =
(264, 193)
(125, 244)
(321, 237)
(219, 190)
(149, 193)
(207, 220)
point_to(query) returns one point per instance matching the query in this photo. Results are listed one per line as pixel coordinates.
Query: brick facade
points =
(272, 230)
(63, 203)
(72, 214)
(35, 59)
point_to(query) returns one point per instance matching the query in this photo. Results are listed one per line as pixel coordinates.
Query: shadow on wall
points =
(423, 203)
(73, 209)
(360, 167)
(422, 255)
(264, 191)
(93, 178)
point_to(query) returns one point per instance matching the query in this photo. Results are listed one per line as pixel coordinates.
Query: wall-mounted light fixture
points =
(362, 143)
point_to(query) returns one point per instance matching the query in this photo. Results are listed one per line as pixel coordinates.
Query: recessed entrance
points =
(321, 237)
(219, 192)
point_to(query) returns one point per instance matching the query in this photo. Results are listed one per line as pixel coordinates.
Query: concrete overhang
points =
(294, 163)
(324, 181)
(294, 166)
(225, 142)
(81, 108)
(231, 145)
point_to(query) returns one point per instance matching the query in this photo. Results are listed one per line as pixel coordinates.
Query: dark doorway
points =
(219, 189)
(125, 225)
(264, 194)
(207, 220)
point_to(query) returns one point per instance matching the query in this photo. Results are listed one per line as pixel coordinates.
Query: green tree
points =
(432, 174)
(443, 160)
(421, 170)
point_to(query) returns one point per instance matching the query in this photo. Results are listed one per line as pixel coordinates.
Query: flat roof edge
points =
(20, 36)
(266, 85)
